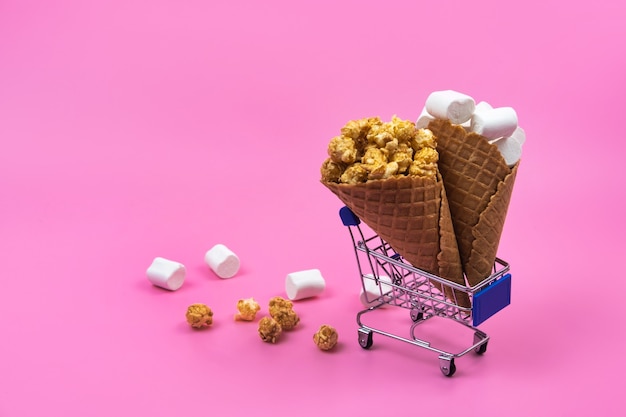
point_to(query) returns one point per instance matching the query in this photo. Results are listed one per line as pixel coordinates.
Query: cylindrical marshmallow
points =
(304, 284)
(495, 123)
(222, 261)
(371, 291)
(482, 106)
(510, 149)
(166, 274)
(452, 105)
(519, 135)
(424, 119)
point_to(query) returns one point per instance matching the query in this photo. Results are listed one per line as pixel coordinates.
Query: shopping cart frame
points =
(397, 283)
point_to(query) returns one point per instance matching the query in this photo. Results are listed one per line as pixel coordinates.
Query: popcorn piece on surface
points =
(326, 337)
(247, 309)
(369, 150)
(269, 329)
(199, 315)
(288, 319)
(281, 310)
(277, 303)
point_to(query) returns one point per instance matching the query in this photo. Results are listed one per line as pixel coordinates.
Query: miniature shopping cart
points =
(398, 283)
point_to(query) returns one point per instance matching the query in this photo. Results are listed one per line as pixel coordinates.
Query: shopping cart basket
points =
(397, 283)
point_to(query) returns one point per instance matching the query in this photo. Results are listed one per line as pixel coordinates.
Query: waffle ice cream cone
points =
(412, 215)
(478, 184)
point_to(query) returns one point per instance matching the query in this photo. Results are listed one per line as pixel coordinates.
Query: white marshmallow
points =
(304, 284)
(495, 123)
(222, 261)
(510, 149)
(423, 119)
(166, 274)
(372, 292)
(519, 135)
(452, 105)
(482, 106)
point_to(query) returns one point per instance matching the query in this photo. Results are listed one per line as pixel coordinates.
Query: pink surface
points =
(135, 129)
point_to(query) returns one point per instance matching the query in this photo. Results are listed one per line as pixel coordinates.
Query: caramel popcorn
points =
(247, 309)
(381, 135)
(269, 329)
(383, 171)
(354, 174)
(288, 319)
(332, 171)
(424, 138)
(404, 130)
(403, 156)
(278, 303)
(282, 311)
(358, 129)
(342, 149)
(326, 337)
(199, 315)
(374, 156)
(369, 149)
(425, 163)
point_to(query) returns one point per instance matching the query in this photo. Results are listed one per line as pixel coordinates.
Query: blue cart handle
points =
(348, 217)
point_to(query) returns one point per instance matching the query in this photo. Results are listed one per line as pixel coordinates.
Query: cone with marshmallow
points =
(478, 182)
(386, 173)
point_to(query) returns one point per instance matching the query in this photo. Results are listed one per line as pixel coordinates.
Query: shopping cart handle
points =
(348, 217)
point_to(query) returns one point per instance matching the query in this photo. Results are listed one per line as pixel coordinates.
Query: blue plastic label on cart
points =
(492, 299)
(348, 217)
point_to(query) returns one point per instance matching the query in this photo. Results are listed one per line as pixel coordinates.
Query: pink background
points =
(135, 129)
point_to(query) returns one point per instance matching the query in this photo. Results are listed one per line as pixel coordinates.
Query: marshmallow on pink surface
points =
(222, 261)
(304, 284)
(372, 290)
(166, 274)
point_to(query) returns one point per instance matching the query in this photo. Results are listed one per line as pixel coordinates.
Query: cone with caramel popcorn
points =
(478, 184)
(387, 174)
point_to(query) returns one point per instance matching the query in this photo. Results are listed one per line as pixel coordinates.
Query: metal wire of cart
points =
(399, 284)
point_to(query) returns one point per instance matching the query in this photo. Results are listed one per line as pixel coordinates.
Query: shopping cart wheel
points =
(416, 315)
(481, 349)
(365, 339)
(479, 336)
(447, 366)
